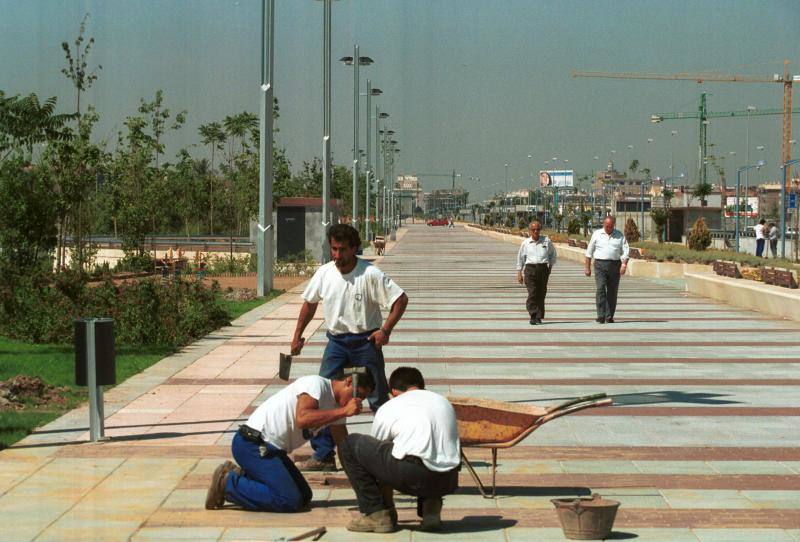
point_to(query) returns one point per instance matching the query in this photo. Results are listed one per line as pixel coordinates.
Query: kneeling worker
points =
(414, 448)
(268, 479)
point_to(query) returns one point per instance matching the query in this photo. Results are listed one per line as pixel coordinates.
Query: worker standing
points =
(352, 291)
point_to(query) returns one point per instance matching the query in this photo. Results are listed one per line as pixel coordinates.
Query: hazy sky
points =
(469, 84)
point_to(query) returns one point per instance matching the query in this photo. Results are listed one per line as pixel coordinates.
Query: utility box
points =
(299, 226)
(105, 352)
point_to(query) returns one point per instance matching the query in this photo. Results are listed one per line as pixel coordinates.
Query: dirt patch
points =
(17, 392)
(279, 283)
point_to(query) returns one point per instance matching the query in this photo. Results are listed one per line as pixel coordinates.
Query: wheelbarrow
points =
(484, 423)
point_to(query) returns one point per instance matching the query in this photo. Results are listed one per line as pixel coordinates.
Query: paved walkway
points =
(703, 445)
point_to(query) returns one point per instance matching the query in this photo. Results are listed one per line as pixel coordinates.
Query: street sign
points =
(792, 201)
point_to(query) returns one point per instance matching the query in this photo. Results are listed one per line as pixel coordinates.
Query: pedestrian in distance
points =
(772, 234)
(610, 250)
(760, 238)
(353, 291)
(268, 480)
(535, 261)
(413, 448)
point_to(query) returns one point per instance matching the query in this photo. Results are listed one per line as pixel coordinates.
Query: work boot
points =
(431, 514)
(215, 497)
(314, 464)
(376, 522)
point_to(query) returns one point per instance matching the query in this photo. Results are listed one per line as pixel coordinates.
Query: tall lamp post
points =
(785, 168)
(380, 210)
(370, 93)
(355, 61)
(265, 165)
(739, 171)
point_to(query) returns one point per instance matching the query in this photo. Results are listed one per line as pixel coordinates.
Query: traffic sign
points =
(792, 201)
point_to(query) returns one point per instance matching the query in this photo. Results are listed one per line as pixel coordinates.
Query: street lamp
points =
(355, 61)
(367, 181)
(785, 168)
(757, 165)
(265, 165)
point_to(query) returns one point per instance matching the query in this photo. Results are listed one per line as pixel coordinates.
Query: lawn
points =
(55, 364)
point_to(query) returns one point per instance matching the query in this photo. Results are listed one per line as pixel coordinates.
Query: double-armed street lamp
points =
(757, 165)
(785, 168)
(369, 174)
(265, 164)
(355, 61)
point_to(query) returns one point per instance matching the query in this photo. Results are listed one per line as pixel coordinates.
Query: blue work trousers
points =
(271, 483)
(350, 350)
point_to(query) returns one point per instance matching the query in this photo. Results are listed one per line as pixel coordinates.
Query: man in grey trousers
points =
(610, 249)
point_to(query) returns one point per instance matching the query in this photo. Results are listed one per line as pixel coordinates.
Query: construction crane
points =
(448, 175)
(785, 79)
(704, 114)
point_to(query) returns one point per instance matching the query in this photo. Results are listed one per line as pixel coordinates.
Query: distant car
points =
(437, 222)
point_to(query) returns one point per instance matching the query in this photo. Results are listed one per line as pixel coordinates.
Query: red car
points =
(437, 222)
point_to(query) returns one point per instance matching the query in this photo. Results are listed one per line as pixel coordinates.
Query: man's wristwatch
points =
(386, 331)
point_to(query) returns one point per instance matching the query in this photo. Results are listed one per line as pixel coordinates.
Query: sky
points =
(469, 85)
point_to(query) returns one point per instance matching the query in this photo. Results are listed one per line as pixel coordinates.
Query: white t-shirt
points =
(423, 424)
(275, 417)
(759, 231)
(352, 302)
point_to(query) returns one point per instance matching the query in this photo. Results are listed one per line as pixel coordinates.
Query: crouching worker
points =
(268, 479)
(414, 449)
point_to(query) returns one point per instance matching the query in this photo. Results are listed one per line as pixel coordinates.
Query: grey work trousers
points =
(606, 280)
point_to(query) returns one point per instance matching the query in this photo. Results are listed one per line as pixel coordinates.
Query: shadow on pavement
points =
(652, 397)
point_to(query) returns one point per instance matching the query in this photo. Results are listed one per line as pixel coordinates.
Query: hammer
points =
(354, 372)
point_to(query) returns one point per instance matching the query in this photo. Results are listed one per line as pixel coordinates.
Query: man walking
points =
(352, 291)
(413, 448)
(610, 250)
(267, 479)
(535, 260)
(772, 234)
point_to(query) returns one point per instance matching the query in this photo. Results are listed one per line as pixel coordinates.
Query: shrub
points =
(632, 231)
(574, 226)
(660, 216)
(700, 235)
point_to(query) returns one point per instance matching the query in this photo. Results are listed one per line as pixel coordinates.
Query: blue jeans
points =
(271, 483)
(350, 350)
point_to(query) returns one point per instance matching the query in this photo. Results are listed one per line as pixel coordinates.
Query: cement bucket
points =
(586, 518)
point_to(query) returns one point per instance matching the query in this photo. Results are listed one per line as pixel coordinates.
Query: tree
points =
(702, 191)
(633, 167)
(631, 231)
(76, 70)
(699, 236)
(660, 216)
(24, 122)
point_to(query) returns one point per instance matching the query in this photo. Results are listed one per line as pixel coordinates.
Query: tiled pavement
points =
(703, 445)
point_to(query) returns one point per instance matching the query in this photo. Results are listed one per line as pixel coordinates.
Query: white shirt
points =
(759, 231)
(275, 417)
(773, 233)
(608, 247)
(423, 424)
(352, 302)
(533, 252)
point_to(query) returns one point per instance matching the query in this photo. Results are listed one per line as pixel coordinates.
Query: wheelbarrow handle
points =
(574, 408)
(576, 401)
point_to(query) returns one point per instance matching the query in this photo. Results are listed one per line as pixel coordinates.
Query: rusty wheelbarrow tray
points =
(484, 423)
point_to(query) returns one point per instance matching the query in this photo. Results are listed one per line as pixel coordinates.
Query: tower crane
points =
(448, 175)
(786, 79)
(703, 114)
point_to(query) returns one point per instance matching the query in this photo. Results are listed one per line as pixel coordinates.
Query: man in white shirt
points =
(772, 235)
(414, 448)
(760, 237)
(610, 250)
(267, 479)
(535, 260)
(352, 291)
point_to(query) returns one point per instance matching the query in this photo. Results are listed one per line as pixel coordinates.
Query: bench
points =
(778, 277)
(572, 243)
(379, 244)
(727, 269)
(635, 253)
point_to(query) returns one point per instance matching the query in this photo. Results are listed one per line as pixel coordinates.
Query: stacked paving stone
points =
(702, 443)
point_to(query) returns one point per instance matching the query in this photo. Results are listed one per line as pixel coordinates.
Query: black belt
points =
(414, 459)
(601, 260)
(535, 264)
(253, 435)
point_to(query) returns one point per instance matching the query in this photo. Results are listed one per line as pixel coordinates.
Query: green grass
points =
(55, 364)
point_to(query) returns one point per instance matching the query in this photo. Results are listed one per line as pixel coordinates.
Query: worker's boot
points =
(376, 522)
(431, 514)
(215, 497)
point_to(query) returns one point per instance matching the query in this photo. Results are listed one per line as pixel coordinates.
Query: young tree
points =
(76, 69)
(660, 216)
(631, 231)
(699, 236)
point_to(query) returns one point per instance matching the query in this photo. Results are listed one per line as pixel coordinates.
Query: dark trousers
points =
(350, 350)
(271, 483)
(535, 277)
(368, 462)
(760, 247)
(606, 280)
(773, 247)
